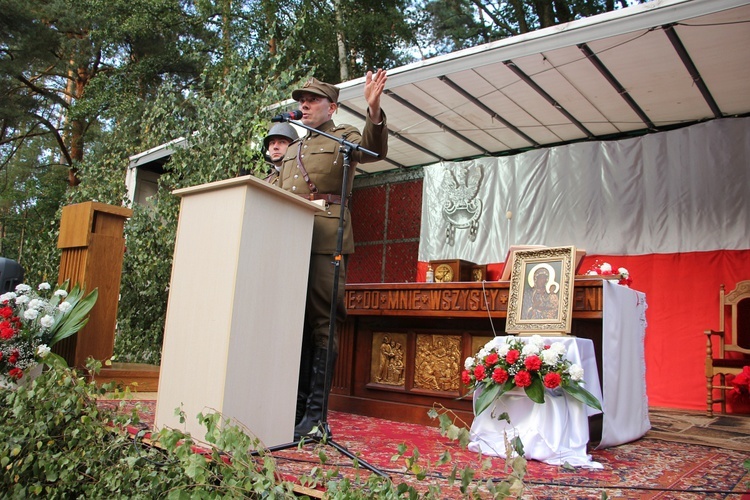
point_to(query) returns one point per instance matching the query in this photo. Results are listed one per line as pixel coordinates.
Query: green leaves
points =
(486, 396)
(582, 395)
(77, 317)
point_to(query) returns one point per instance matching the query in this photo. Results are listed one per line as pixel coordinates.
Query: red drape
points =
(682, 292)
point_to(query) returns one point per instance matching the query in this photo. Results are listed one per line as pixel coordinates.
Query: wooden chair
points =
(733, 349)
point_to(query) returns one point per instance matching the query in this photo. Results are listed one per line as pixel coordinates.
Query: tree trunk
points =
(226, 33)
(341, 43)
(562, 11)
(543, 10)
(269, 11)
(520, 15)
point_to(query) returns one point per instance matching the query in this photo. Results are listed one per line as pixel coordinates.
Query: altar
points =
(403, 345)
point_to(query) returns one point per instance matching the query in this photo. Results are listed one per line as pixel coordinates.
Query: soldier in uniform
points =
(275, 144)
(313, 169)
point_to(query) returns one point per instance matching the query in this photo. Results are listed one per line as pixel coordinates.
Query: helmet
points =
(281, 130)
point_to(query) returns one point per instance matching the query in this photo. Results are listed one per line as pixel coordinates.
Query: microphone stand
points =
(323, 431)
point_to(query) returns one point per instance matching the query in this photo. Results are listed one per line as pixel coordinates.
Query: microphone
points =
(285, 117)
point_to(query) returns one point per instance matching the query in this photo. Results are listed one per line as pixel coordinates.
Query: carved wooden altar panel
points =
(436, 362)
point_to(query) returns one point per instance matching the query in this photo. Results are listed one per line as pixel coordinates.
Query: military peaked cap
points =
(315, 86)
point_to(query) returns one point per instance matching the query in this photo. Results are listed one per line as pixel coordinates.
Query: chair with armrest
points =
(733, 346)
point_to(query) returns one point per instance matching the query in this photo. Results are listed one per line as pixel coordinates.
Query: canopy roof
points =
(642, 69)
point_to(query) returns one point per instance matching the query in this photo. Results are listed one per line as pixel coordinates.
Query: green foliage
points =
(444, 26)
(58, 443)
(31, 193)
(512, 487)
(144, 285)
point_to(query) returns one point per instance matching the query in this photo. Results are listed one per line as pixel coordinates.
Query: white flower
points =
(529, 349)
(558, 348)
(22, 299)
(537, 341)
(576, 372)
(65, 307)
(623, 272)
(42, 350)
(62, 293)
(44, 286)
(549, 357)
(36, 304)
(502, 351)
(606, 268)
(469, 363)
(23, 288)
(47, 321)
(31, 314)
(7, 297)
(495, 343)
(483, 352)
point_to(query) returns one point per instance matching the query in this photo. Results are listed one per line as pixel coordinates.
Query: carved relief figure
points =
(437, 362)
(391, 362)
(396, 366)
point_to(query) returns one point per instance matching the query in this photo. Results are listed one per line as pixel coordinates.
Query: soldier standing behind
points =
(313, 168)
(275, 144)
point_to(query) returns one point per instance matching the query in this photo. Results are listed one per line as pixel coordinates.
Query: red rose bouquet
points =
(505, 363)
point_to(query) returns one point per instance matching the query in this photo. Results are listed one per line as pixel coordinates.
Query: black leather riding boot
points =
(320, 376)
(303, 386)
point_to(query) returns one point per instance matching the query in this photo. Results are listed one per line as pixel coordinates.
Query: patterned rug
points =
(653, 467)
(724, 431)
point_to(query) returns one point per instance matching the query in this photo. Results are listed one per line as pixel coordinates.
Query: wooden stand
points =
(233, 333)
(92, 243)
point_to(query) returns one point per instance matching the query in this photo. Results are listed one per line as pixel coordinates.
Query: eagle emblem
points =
(461, 207)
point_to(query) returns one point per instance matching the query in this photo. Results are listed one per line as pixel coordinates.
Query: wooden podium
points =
(233, 332)
(92, 243)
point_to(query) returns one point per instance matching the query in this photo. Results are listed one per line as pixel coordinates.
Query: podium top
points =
(79, 221)
(252, 182)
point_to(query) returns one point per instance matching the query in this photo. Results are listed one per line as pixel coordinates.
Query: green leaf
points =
(517, 445)
(582, 395)
(486, 397)
(535, 391)
(77, 317)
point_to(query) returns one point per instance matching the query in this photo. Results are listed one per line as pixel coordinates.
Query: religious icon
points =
(541, 294)
(541, 291)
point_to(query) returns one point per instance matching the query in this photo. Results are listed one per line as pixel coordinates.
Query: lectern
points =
(233, 332)
(93, 245)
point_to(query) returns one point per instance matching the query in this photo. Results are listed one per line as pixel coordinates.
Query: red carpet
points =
(647, 468)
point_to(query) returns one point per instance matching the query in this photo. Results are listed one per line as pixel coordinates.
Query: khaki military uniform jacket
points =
(324, 164)
(273, 177)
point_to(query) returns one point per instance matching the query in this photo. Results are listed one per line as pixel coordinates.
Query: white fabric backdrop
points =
(680, 191)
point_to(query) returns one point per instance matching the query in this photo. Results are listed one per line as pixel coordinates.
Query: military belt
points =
(333, 199)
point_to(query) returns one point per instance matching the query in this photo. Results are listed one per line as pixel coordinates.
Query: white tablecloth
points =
(625, 401)
(555, 432)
